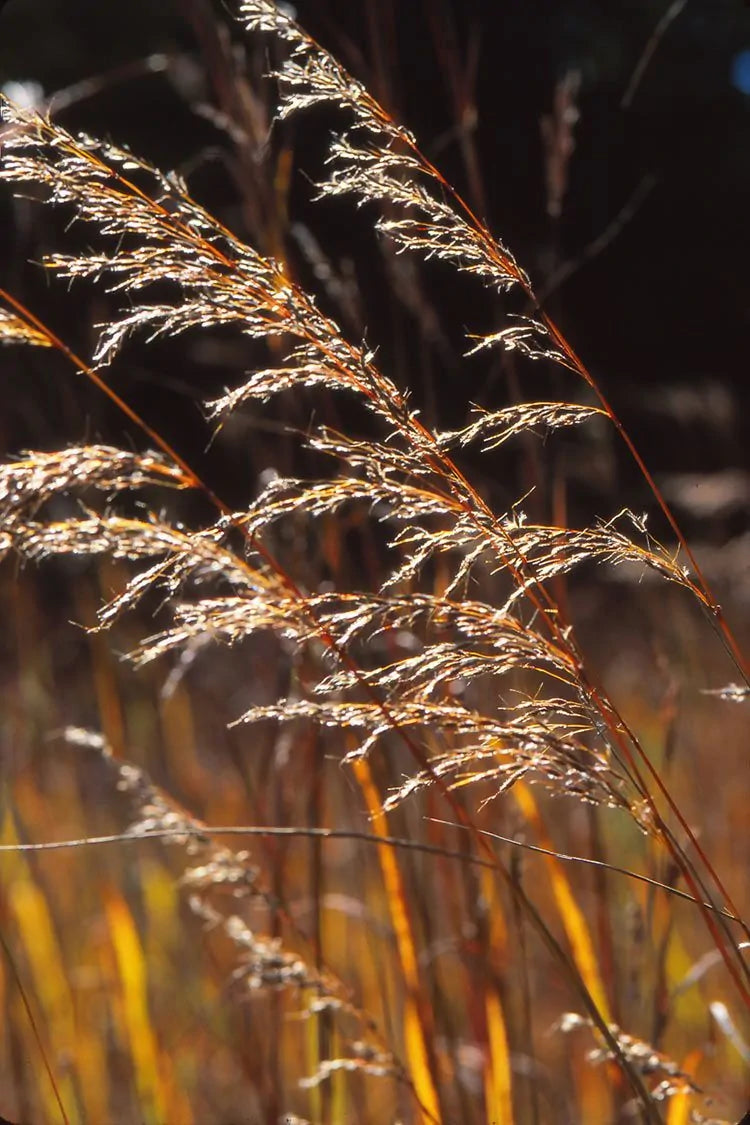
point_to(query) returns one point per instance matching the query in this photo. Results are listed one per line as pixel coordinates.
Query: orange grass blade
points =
(498, 1080)
(498, 1088)
(680, 1104)
(595, 1091)
(414, 1028)
(314, 1055)
(571, 914)
(679, 1109)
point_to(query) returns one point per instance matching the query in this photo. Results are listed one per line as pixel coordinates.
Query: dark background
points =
(646, 263)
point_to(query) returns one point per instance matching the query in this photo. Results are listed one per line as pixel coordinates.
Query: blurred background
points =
(609, 148)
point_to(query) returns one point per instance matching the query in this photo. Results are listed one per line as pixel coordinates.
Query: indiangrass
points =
(451, 687)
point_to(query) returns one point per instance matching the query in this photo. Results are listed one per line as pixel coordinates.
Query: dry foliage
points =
(461, 660)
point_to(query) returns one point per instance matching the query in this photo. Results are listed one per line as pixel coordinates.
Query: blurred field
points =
(132, 998)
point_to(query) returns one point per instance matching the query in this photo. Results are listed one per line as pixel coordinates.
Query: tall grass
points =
(434, 978)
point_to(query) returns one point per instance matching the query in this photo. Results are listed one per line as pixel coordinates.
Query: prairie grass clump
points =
(448, 681)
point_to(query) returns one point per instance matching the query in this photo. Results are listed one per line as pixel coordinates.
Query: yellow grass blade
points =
(161, 899)
(132, 969)
(48, 988)
(414, 1028)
